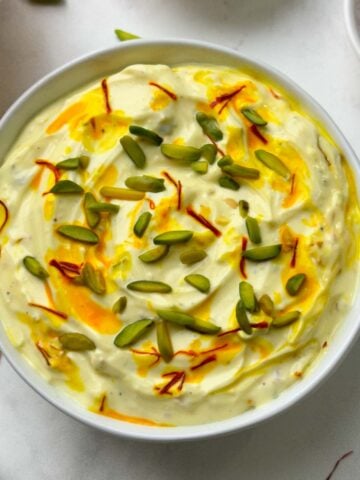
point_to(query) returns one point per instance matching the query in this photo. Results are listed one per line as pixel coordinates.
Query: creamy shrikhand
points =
(178, 245)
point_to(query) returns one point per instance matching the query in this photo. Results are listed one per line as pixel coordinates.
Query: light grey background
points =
(305, 39)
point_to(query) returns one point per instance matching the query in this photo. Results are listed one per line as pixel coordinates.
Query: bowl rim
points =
(352, 28)
(293, 394)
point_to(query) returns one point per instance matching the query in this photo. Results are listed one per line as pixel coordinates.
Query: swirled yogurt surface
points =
(310, 212)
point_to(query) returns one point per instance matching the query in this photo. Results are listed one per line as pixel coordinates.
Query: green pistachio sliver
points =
(133, 151)
(240, 171)
(295, 283)
(120, 305)
(247, 296)
(142, 223)
(242, 318)
(200, 282)
(180, 152)
(225, 161)
(122, 193)
(104, 207)
(261, 254)
(155, 254)
(188, 321)
(254, 117)
(192, 255)
(133, 332)
(209, 151)
(228, 182)
(76, 342)
(145, 183)
(35, 268)
(66, 186)
(149, 286)
(124, 36)
(93, 278)
(164, 341)
(274, 163)
(286, 319)
(244, 208)
(253, 229)
(78, 233)
(173, 237)
(146, 134)
(92, 218)
(266, 305)
(209, 126)
(201, 166)
(74, 163)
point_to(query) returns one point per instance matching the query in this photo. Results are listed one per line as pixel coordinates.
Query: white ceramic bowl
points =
(96, 65)
(352, 20)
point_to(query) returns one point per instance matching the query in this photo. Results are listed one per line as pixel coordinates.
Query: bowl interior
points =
(171, 52)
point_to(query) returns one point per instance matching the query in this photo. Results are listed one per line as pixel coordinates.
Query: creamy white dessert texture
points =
(312, 213)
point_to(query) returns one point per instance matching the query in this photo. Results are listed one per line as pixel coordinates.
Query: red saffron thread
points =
(274, 94)
(229, 332)
(177, 377)
(50, 310)
(93, 123)
(220, 347)
(69, 270)
(105, 89)
(209, 359)
(226, 97)
(50, 166)
(172, 95)
(292, 183)
(177, 185)
(217, 147)
(254, 129)
(151, 203)
(242, 260)
(260, 325)
(293, 258)
(337, 463)
(190, 353)
(154, 353)
(102, 404)
(6, 215)
(44, 353)
(201, 219)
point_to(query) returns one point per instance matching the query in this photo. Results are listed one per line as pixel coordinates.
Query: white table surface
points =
(307, 40)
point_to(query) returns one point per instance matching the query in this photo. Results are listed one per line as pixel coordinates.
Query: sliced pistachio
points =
(120, 305)
(242, 318)
(133, 332)
(192, 255)
(253, 229)
(133, 151)
(209, 151)
(77, 233)
(93, 278)
(266, 305)
(261, 254)
(149, 286)
(142, 223)
(201, 166)
(244, 208)
(74, 163)
(76, 342)
(199, 282)
(145, 183)
(209, 126)
(124, 36)
(228, 182)
(247, 296)
(146, 134)
(273, 162)
(240, 171)
(104, 207)
(122, 193)
(286, 319)
(92, 218)
(155, 254)
(164, 341)
(66, 186)
(34, 267)
(253, 116)
(295, 283)
(173, 237)
(180, 152)
(225, 161)
(188, 321)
